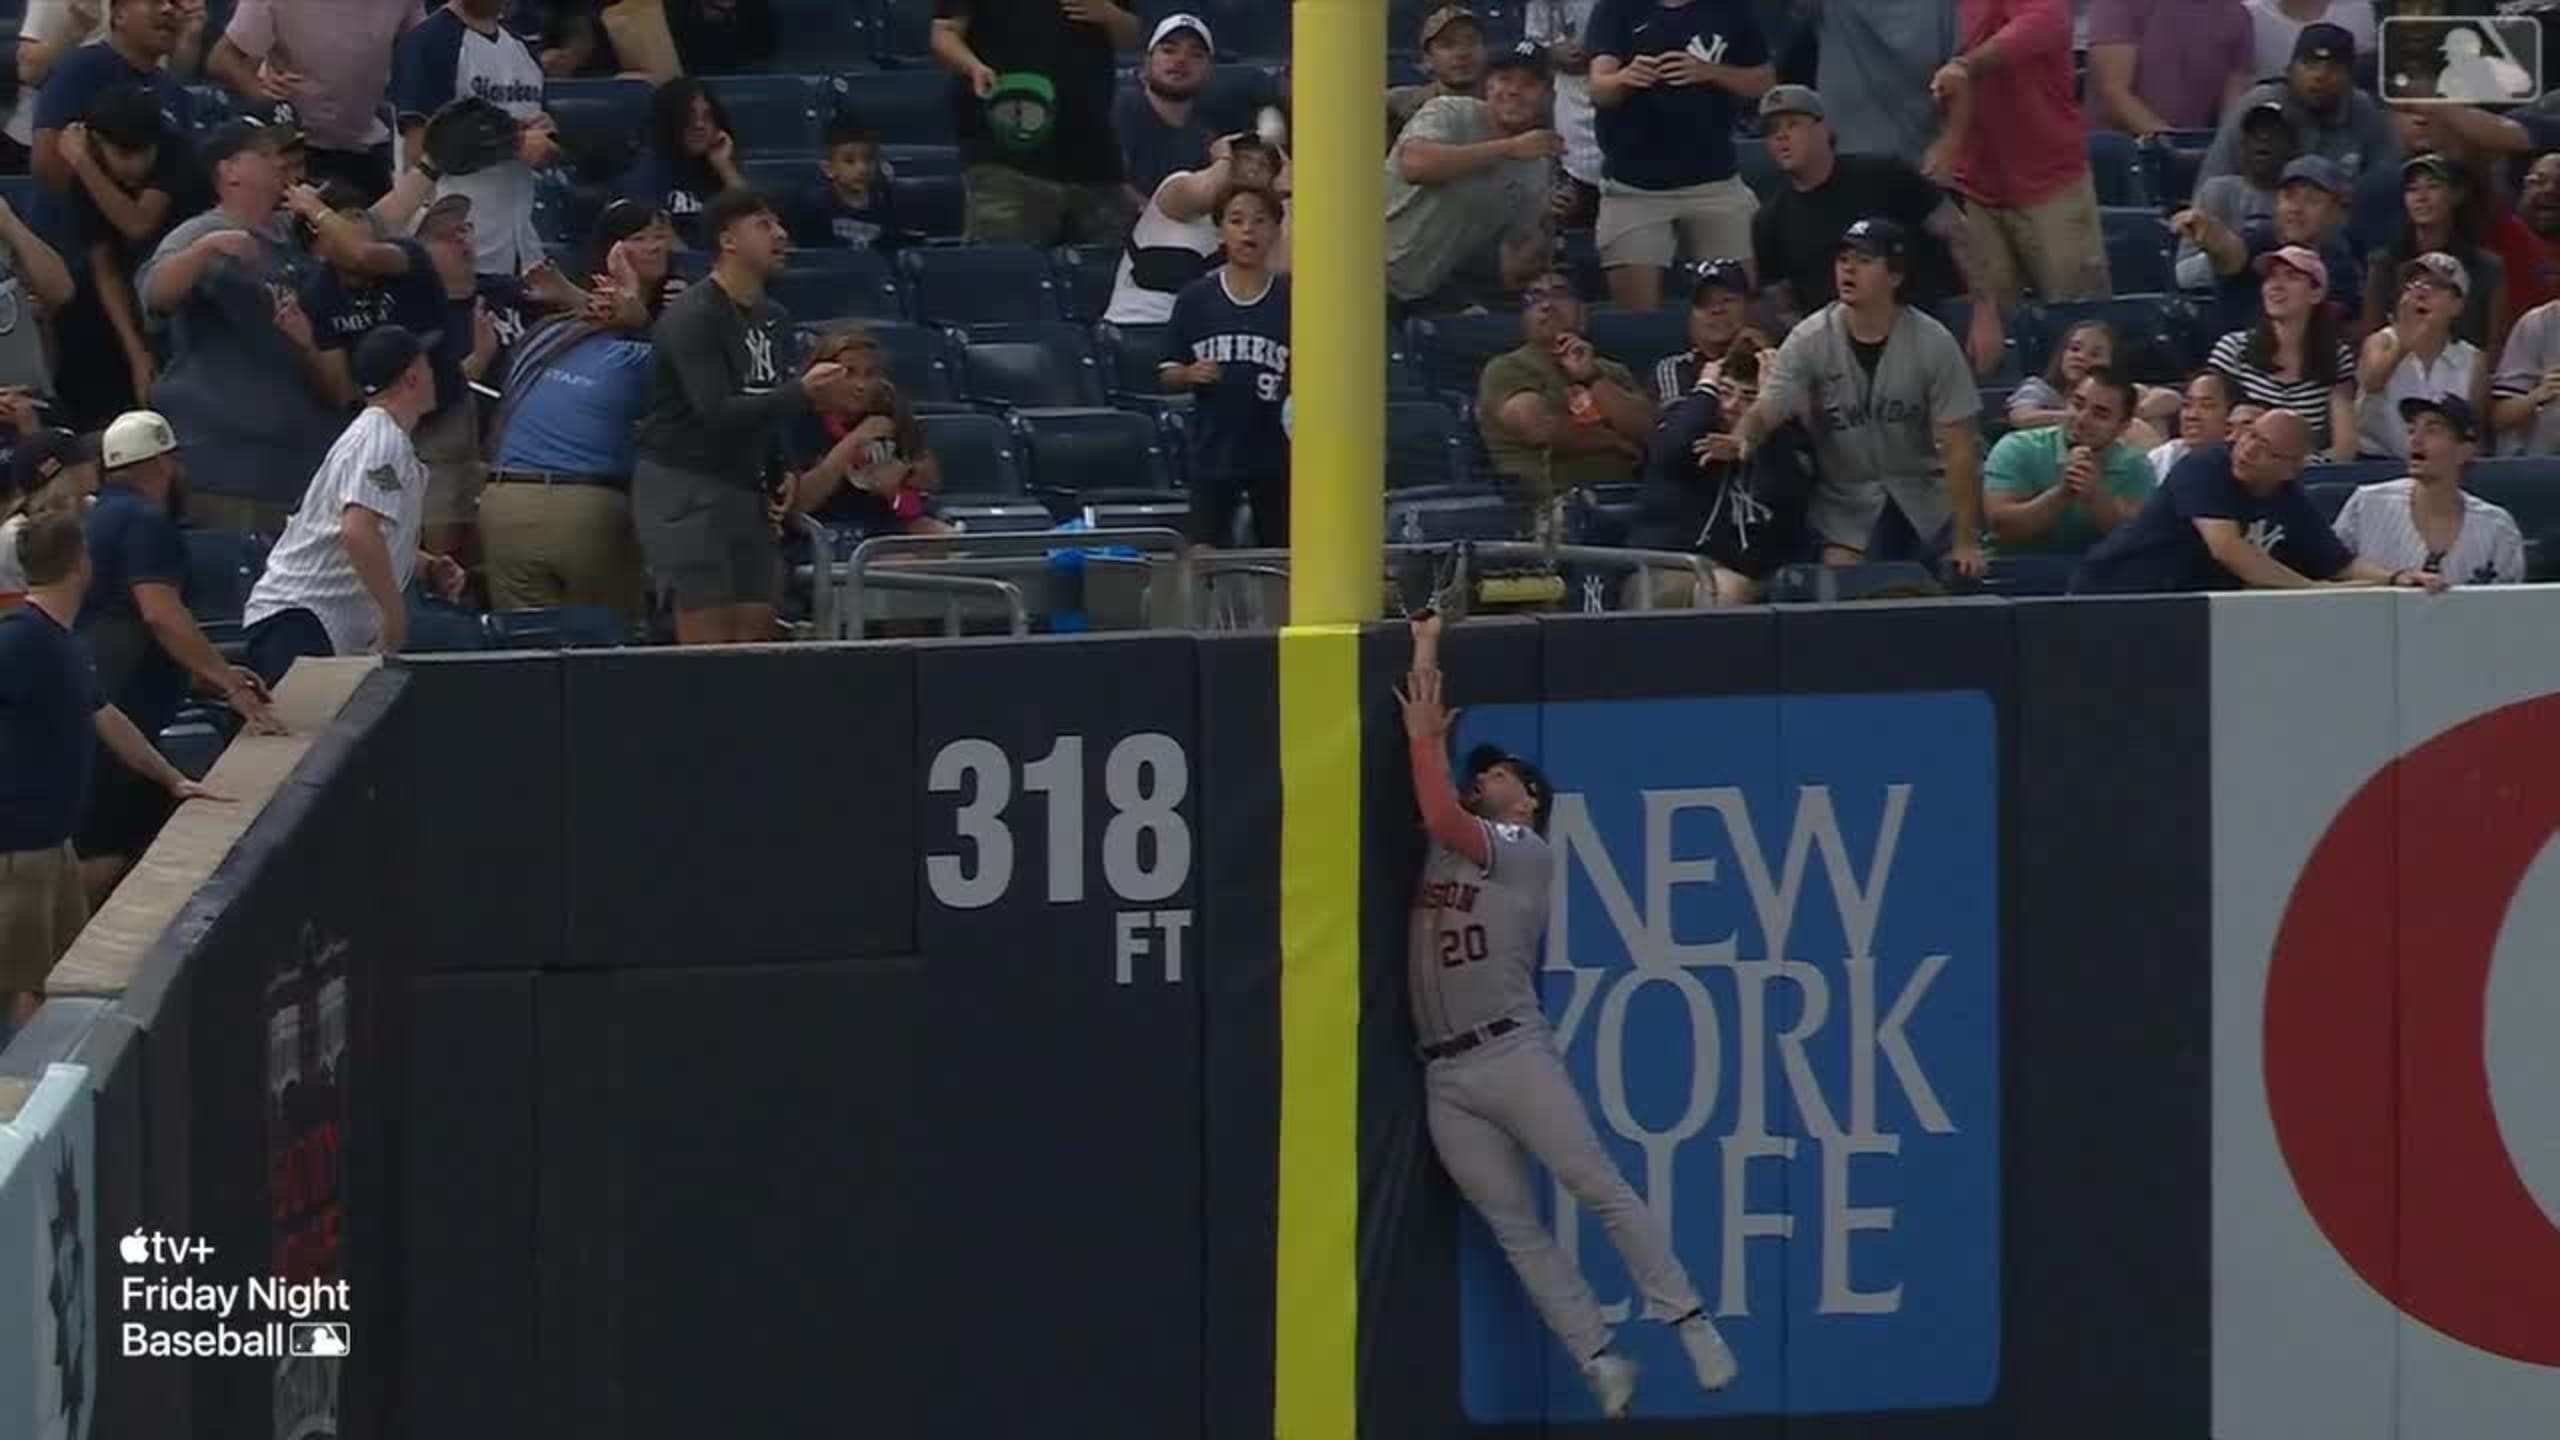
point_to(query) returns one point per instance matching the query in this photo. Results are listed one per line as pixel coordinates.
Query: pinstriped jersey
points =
(1475, 933)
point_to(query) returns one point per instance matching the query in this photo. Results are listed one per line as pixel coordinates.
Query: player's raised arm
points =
(1426, 728)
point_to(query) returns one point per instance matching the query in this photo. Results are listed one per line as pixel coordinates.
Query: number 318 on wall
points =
(1146, 844)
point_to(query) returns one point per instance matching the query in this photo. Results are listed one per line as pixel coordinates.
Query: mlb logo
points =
(1772, 966)
(2461, 59)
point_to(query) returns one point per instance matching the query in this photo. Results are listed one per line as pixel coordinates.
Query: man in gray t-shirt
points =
(244, 386)
(1468, 188)
(1877, 59)
(2526, 413)
(1891, 404)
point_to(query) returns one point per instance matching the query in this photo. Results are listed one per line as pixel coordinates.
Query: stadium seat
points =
(910, 161)
(2020, 576)
(2139, 250)
(2115, 164)
(1638, 339)
(982, 284)
(1758, 170)
(790, 181)
(1129, 354)
(824, 34)
(898, 107)
(1995, 412)
(222, 566)
(773, 113)
(2329, 496)
(1957, 316)
(1238, 89)
(1048, 364)
(2170, 162)
(601, 121)
(1822, 584)
(933, 206)
(1453, 349)
(559, 627)
(1080, 456)
(2152, 327)
(1425, 447)
(923, 362)
(978, 457)
(1243, 27)
(1085, 277)
(838, 284)
(1433, 519)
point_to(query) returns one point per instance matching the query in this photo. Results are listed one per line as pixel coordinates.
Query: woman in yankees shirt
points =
(1229, 341)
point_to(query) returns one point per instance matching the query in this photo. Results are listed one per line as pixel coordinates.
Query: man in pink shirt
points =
(2015, 148)
(2168, 64)
(333, 62)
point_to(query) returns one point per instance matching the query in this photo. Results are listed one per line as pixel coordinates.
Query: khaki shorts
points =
(559, 544)
(449, 446)
(1658, 227)
(2055, 245)
(42, 908)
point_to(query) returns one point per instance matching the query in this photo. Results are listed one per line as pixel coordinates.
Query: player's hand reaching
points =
(1425, 718)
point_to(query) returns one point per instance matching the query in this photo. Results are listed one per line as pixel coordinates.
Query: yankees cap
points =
(1527, 55)
(2452, 409)
(1882, 239)
(1176, 23)
(2324, 44)
(1720, 275)
(383, 356)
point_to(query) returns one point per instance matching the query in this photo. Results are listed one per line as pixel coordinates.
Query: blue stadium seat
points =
(2020, 576)
(898, 107)
(2115, 164)
(1243, 27)
(2170, 163)
(933, 206)
(1453, 349)
(837, 284)
(788, 180)
(1957, 316)
(222, 566)
(773, 113)
(558, 627)
(982, 284)
(2152, 327)
(1045, 365)
(1638, 339)
(1129, 355)
(1085, 276)
(1425, 447)
(2139, 250)
(598, 119)
(1082, 456)
(906, 162)
(1439, 518)
(977, 454)
(1758, 170)
(1817, 584)
(193, 743)
(825, 34)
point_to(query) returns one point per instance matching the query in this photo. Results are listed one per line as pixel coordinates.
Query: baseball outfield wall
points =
(2059, 1019)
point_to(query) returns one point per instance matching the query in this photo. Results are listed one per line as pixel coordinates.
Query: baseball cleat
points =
(1708, 1353)
(1612, 1380)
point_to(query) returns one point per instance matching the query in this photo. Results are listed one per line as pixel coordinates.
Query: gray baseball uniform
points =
(1874, 419)
(1476, 934)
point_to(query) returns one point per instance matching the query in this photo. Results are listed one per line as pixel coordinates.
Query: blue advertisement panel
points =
(1772, 966)
(48, 1261)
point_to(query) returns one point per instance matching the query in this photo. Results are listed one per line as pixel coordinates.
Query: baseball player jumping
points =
(1496, 1085)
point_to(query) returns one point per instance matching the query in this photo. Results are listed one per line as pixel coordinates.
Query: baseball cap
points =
(1527, 55)
(2439, 268)
(43, 454)
(2454, 410)
(1167, 26)
(1446, 16)
(1721, 275)
(2317, 170)
(383, 356)
(2296, 257)
(2264, 110)
(231, 137)
(136, 436)
(2324, 44)
(2429, 163)
(125, 116)
(281, 117)
(1791, 100)
(1882, 239)
(1485, 757)
(450, 210)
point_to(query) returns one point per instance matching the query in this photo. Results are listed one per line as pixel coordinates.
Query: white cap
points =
(1180, 21)
(136, 436)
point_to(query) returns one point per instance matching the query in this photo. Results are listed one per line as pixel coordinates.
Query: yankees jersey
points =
(1874, 413)
(1235, 424)
(441, 58)
(721, 386)
(2159, 549)
(1476, 931)
(2377, 524)
(374, 466)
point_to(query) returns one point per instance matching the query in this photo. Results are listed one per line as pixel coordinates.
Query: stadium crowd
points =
(357, 326)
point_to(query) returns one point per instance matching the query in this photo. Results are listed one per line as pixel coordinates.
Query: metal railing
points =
(1015, 569)
(1210, 566)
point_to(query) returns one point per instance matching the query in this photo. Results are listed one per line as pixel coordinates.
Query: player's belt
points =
(558, 477)
(1466, 1040)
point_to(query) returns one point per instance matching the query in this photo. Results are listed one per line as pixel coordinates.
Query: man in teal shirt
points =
(2058, 489)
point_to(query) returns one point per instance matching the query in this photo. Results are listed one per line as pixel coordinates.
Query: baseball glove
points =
(469, 135)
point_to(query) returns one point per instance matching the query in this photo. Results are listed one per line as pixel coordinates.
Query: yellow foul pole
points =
(1338, 365)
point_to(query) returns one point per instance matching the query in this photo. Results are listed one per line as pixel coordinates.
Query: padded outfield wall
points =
(2059, 1019)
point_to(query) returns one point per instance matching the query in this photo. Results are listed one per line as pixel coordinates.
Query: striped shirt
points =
(2307, 397)
(2378, 525)
(374, 467)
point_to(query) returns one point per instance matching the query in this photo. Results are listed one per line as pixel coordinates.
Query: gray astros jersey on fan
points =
(1475, 933)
